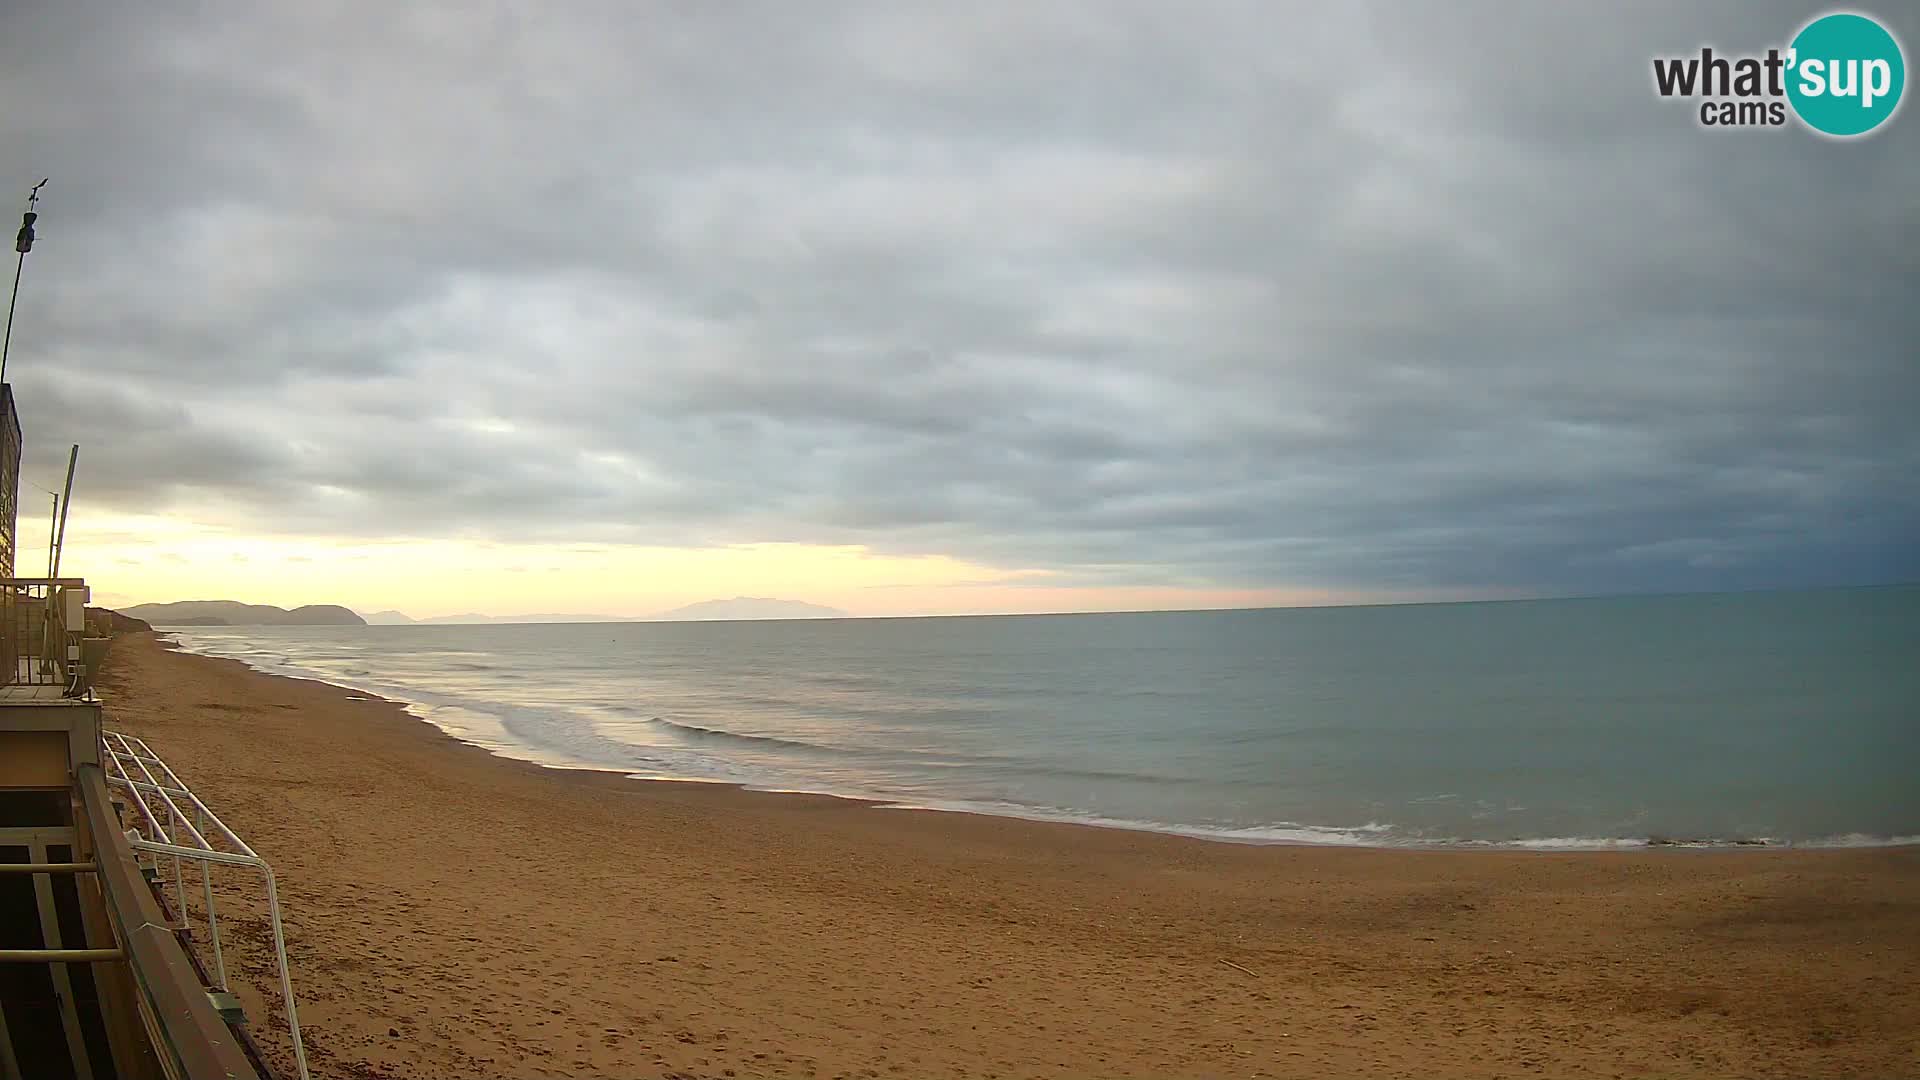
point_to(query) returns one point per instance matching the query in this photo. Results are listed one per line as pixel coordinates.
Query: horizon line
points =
(589, 618)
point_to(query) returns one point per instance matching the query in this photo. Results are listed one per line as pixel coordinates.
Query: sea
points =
(1780, 718)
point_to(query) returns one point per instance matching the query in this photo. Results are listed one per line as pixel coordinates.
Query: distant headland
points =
(233, 613)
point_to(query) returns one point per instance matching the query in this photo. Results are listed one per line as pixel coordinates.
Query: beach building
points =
(9, 478)
(111, 966)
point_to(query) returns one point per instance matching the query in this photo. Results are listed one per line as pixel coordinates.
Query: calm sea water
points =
(1789, 717)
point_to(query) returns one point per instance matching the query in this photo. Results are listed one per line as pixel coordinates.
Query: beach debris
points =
(1237, 967)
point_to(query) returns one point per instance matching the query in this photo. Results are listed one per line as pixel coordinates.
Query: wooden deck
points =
(16, 694)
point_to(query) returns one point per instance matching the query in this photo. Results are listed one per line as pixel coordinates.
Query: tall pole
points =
(22, 243)
(60, 539)
(66, 504)
(46, 653)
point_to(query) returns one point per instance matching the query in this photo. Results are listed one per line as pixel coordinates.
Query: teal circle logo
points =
(1845, 74)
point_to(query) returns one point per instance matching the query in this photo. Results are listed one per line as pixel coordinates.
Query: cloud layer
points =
(1227, 295)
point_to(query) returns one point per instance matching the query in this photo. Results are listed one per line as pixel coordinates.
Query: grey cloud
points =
(1234, 294)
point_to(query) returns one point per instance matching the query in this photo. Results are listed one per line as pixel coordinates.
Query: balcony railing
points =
(43, 623)
(172, 823)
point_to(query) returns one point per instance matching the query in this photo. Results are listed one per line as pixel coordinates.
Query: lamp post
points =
(22, 243)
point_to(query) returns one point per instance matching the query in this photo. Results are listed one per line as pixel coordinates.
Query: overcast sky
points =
(989, 306)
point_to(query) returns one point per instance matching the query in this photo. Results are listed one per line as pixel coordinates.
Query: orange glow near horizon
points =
(141, 559)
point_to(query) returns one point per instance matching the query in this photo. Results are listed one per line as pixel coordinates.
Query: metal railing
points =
(42, 621)
(177, 825)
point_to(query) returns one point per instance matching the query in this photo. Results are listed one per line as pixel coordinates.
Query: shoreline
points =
(1293, 834)
(454, 912)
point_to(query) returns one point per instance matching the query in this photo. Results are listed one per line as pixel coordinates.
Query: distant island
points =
(397, 618)
(749, 607)
(233, 613)
(740, 607)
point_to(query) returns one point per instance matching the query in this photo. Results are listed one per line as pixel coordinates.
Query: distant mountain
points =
(475, 617)
(750, 607)
(387, 618)
(232, 613)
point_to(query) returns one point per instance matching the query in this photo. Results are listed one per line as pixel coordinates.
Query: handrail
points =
(180, 1018)
(59, 956)
(182, 839)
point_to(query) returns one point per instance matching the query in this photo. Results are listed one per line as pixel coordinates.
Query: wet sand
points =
(455, 914)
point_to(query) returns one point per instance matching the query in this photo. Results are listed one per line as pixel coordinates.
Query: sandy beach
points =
(452, 913)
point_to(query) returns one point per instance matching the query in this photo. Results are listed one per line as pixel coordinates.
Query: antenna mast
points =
(22, 243)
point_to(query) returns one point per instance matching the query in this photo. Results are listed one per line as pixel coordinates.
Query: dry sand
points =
(454, 914)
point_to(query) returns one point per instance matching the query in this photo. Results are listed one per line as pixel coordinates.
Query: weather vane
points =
(22, 243)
